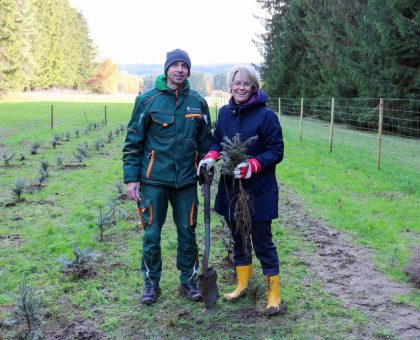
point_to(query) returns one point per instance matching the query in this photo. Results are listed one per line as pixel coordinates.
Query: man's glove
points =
(247, 169)
(208, 161)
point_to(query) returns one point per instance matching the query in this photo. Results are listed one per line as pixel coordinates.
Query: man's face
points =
(176, 74)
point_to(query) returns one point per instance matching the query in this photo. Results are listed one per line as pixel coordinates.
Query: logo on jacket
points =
(193, 109)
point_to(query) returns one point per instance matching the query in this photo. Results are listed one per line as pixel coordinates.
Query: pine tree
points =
(346, 48)
(11, 76)
(43, 44)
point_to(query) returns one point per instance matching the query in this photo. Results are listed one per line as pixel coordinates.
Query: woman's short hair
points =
(244, 70)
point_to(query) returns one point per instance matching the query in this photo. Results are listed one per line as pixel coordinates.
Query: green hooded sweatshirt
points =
(169, 132)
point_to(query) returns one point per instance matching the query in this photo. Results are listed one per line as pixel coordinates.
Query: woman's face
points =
(241, 88)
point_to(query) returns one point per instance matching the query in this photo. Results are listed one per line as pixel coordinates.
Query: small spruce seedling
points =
(82, 263)
(18, 188)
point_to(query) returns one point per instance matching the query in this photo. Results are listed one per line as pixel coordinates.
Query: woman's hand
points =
(247, 169)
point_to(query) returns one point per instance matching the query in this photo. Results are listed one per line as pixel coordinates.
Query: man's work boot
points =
(243, 274)
(150, 295)
(274, 304)
(190, 291)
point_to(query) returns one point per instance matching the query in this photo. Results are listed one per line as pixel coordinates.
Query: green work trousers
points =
(154, 207)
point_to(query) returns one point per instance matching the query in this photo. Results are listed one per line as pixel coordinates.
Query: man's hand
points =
(133, 191)
(247, 169)
(206, 165)
(208, 161)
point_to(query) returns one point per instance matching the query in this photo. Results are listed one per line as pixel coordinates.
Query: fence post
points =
(332, 122)
(52, 117)
(279, 107)
(381, 117)
(301, 119)
(106, 120)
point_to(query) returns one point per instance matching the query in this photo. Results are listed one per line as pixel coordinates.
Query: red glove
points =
(208, 161)
(247, 169)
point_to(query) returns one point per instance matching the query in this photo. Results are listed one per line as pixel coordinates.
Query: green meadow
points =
(377, 208)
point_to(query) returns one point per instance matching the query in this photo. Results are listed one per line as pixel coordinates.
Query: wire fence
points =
(401, 117)
(388, 127)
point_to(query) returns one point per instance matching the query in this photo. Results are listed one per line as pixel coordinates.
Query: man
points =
(168, 134)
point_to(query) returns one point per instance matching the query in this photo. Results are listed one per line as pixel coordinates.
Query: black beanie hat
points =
(177, 55)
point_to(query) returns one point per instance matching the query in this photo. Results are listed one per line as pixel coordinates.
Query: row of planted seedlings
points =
(26, 319)
(21, 186)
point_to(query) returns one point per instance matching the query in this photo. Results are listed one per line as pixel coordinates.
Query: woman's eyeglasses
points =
(244, 84)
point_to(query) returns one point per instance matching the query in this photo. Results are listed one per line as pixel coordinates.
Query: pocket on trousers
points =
(146, 212)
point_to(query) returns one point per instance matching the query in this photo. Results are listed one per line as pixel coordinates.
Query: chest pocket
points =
(162, 124)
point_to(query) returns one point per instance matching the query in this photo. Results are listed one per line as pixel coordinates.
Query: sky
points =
(142, 31)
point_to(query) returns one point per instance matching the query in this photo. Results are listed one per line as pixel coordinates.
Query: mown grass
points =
(380, 207)
(35, 232)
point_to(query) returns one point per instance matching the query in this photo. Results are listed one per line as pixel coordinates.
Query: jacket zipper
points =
(152, 159)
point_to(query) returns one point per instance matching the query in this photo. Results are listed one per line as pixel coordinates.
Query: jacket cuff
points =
(130, 179)
(212, 154)
(255, 166)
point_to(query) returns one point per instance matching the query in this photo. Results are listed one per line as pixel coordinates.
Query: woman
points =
(248, 115)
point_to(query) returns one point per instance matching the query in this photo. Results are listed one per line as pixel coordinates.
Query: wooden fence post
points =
(381, 118)
(301, 119)
(279, 107)
(106, 119)
(52, 117)
(332, 123)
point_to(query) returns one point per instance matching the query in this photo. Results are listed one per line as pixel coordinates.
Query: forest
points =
(311, 48)
(43, 44)
(351, 48)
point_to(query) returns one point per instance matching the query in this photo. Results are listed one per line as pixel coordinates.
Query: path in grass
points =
(347, 271)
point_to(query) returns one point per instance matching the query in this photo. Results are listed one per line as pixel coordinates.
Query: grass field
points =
(380, 208)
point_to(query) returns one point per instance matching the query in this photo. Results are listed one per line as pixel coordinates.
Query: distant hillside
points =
(155, 69)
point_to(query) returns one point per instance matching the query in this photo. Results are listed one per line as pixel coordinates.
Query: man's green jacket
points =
(169, 132)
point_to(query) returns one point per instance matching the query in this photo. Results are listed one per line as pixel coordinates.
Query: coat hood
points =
(161, 84)
(258, 98)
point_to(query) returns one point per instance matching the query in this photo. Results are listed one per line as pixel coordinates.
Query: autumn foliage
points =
(106, 79)
(103, 79)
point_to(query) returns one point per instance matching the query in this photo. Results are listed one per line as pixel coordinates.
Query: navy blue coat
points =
(250, 119)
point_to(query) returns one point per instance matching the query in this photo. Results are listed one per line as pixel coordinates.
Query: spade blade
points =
(208, 287)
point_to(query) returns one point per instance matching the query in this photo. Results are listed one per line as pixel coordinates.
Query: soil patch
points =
(348, 273)
(10, 241)
(79, 329)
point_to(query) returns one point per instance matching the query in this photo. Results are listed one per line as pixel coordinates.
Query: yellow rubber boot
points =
(274, 304)
(243, 274)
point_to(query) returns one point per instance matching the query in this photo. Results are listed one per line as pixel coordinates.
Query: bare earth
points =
(348, 273)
